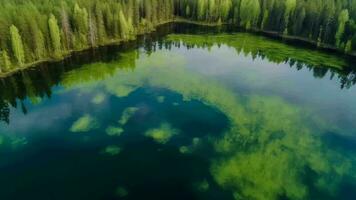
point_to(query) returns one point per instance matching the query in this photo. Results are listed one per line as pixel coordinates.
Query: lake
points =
(188, 112)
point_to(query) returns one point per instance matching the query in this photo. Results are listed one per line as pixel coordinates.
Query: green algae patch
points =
(114, 131)
(98, 99)
(84, 124)
(161, 99)
(162, 134)
(184, 150)
(121, 192)
(189, 149)
(122, 90)
(112, 150)
(18, 141)
(202, 186)
(127, 114)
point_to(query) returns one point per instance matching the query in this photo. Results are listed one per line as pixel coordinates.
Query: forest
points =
(37, 30)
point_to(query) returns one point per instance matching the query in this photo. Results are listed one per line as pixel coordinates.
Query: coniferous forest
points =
(36, 30)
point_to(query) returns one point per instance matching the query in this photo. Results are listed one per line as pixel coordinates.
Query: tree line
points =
(328, 22)
(36, 30)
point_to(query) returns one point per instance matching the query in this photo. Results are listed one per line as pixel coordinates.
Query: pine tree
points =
(348, 47)
(100, 23)
(81, 21)
(290, 7)
(66, 28)
(201, 7)
(17, 45)
(343, 18)
(124, 27)
(5, 63)
(55, 36)
(249, 13)
(92, 31)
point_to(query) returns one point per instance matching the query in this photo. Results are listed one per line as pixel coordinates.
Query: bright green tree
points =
(343, 18)
(249, 13)
(124, 27)
(5, 62)
(55, 36)
(17, 45)
(290, 7)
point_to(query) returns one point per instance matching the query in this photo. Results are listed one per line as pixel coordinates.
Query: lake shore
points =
(272, 34)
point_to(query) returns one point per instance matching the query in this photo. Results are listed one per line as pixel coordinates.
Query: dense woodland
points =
(36, 30)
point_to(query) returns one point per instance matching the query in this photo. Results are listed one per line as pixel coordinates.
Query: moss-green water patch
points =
(98, 99)
(202, 186)
(184, 149)
(112, 150)
(84, 124)
(114, 131)
(121, 192)
(127, 114)
(160, 99)
(162, 134)
(122, 90)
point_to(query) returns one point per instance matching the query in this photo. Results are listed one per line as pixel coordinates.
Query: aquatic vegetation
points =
(162, 134)
(18, 141)
(112, 150)
(14, 142)
(160, 99)
(98, 99)
(184, 149)
(276, 152)
(202, 186)
(121, 90)
(121, 192)
(127, 114)
(114, 131)
(84, 124)
(189, 149)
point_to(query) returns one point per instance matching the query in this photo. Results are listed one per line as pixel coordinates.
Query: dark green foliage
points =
(327, 22)
(33, 30)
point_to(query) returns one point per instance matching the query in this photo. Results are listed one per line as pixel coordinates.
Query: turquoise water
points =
(182, 116)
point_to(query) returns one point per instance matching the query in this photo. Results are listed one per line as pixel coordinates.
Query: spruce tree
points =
(55, 36)
(17, 45)
(5, 62)
(343, 18)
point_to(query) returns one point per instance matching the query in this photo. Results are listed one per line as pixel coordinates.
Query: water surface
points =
(214, 115)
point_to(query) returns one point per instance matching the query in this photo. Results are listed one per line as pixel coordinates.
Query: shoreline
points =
(272, 34)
